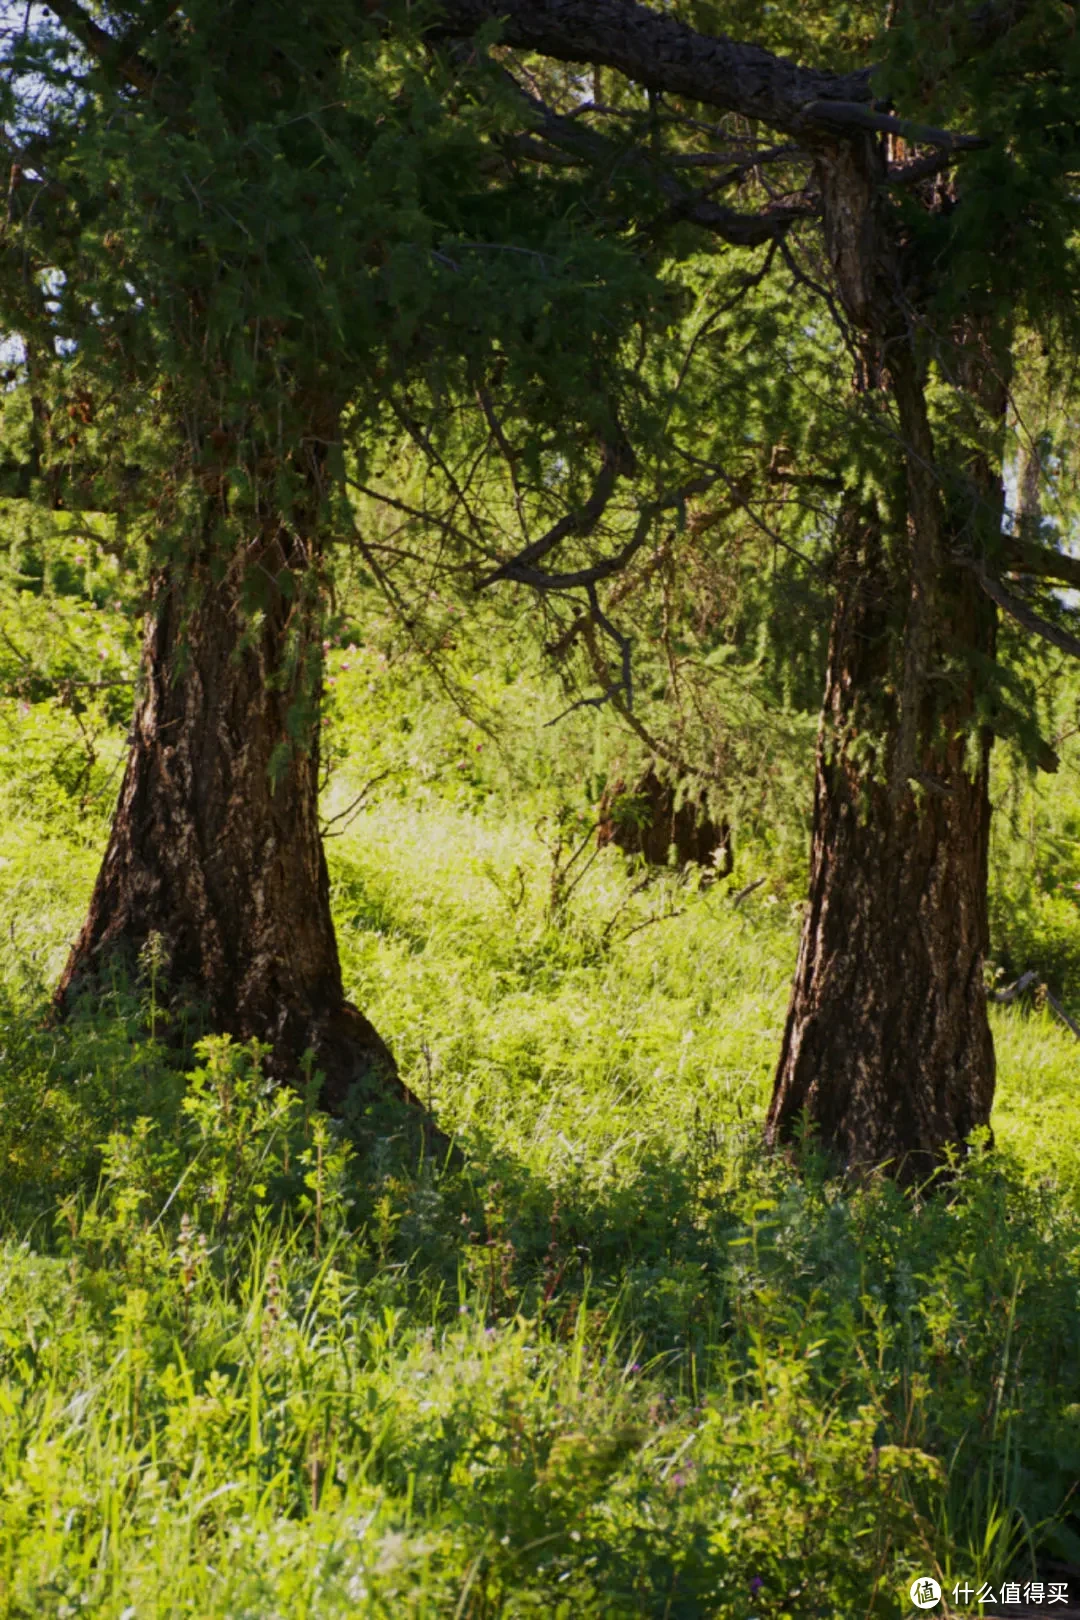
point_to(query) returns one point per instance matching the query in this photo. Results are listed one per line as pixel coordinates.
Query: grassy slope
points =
(613, 1365)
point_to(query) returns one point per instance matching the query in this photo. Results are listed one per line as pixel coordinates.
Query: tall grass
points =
(612, 1363)
(608, 1361)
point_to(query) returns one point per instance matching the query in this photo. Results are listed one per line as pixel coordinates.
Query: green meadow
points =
(599, 1357)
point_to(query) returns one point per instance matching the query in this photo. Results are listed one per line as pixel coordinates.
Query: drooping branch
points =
(737, 489)
(1018, 610)
(560, 138)
(1025, 557)
(613, 692)
(519, 569)
(628, 584)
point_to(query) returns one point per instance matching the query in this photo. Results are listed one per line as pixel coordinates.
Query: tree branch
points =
(561, 137)
(519, 569)
(665, 54)
(853, 115)
(618, 460)
(1018, 610)
(920, 168)
(1025, 557)
(114, 53)
(741, 230)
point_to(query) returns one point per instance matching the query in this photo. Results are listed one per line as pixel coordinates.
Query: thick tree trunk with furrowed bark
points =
(215, 846)
(887, 1052)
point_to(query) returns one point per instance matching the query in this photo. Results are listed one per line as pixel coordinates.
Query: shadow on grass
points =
(952, 1320)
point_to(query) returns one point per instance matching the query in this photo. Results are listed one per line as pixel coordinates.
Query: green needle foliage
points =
(299, 205)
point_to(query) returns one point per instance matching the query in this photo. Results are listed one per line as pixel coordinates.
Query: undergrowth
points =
(606, 1360)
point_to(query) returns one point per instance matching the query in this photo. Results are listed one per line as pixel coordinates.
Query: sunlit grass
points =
(613, 1363)
(622, 1020)
(1037, 1106)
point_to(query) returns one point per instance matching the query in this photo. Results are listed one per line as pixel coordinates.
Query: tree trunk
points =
(887, 1051)
(215, 846)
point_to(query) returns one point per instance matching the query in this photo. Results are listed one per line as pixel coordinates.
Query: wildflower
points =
(755, 1585)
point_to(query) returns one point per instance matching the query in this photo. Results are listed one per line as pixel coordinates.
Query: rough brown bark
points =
(215, 845)
(887, 1050)
(666, 54)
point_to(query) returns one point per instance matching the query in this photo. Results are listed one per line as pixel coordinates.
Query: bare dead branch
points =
(1012, 991)
(617, 461)
(1062, 1014)
(353, 810)
(1029, 981)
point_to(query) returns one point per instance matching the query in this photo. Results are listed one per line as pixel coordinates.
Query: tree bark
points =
(887, 1053)
(666, 54)
(215, 846)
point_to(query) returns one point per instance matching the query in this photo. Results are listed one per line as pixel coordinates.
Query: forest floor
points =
(615, 1362)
